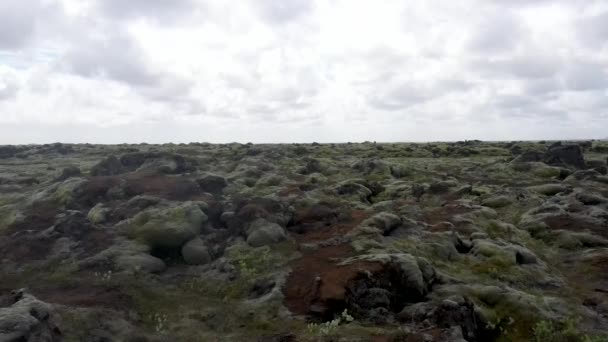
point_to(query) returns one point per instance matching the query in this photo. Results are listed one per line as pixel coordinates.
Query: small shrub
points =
(549, 331)
(329, 328)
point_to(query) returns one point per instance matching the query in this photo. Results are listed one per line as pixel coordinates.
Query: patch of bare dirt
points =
(85, 296)
(317, 282)
(445, 213)
(319, 231)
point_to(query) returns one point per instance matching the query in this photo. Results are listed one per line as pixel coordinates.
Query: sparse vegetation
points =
(492, 241)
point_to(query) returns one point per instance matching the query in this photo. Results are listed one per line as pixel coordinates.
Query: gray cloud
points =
(543, 86)
(161, 10)
(515, 101)
(17, 22)
(411, 93)
(9, 86)
(523, 106)
(586, 76)
(593, 30)
(528, 3)
(116, 57)
(519, 67)
(498, 33)
(280, 12)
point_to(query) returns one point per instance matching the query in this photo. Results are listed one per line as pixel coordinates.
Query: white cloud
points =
(302, 70)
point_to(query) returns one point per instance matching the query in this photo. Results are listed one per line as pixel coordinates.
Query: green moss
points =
(254, 262)
(191, 314)
(169, 227)
(8, 215)
(566, 331)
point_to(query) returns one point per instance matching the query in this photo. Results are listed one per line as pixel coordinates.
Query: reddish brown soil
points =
(95, 242)
(25, 249)
(441, 227)
(291, 190)
(317, 279)
(601, 264)
(95, 189)
(339, 229)
(36, 218)
(445, 213)
(85, 296)
(572, 223)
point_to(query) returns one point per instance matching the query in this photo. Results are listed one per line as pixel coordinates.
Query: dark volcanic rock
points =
(108, 167)
(68, 172)
(152, 163)
(212, 184)
(464, 314)
(8, 151)
(133, 160)
(29, 320)
(248, 211)
(565, 155)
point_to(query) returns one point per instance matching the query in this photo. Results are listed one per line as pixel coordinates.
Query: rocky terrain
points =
(466, 241)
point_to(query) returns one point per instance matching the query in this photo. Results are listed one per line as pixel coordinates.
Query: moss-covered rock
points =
(262, 232)
(67, 191)
(545, 171)
(98, 214)
(8, 215)
(145, 263)
(497, 201)
(167, 227)
(196, 252)
(549, 189)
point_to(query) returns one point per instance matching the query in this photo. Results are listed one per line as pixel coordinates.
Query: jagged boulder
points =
(455, 312)
(28, 319)
(381, 293)
(565, 155)
(213, 184)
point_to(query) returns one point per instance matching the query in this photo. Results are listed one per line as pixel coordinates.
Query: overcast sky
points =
(114, 71)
